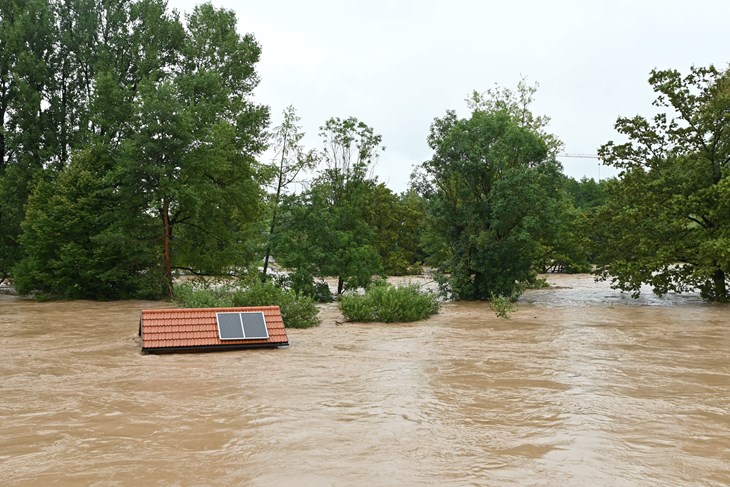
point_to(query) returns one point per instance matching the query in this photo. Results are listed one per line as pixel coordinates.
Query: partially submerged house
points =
(211, 329)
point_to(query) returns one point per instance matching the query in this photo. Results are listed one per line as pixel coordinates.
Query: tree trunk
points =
(3, 108)
(340, 285)
(268, 244)
(166, 243)
(279, 185)
(719, 286)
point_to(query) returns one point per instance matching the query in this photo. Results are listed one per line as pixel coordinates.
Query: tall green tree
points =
(327, 229)
(492, 188)
(191, 160)
(82, 241)
(160, 115)
(27, 35)
(397, 221)
(667, 220)
(290, 159)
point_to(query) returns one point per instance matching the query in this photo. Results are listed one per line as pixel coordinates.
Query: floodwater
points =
(581, 387)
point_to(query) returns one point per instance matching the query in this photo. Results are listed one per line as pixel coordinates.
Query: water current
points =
(580, 387)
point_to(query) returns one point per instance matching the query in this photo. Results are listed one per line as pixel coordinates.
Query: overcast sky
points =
(397, 64)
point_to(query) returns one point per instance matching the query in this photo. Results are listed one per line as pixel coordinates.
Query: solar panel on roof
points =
(229, 326)
(248, 325)
(254, 325)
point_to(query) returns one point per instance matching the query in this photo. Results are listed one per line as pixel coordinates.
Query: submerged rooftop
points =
(211, 329)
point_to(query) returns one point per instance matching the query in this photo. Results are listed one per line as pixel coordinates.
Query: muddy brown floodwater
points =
(581, 387)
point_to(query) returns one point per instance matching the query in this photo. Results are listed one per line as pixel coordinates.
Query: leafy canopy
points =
(325, 230)
(492, 193)
(667, 221)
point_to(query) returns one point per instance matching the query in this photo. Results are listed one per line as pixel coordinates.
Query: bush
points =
(502, 305)
(188, 295)
(387, 303)
(297, 311)
(303, 283)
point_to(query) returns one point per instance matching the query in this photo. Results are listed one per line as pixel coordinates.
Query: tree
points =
(191, 158)
(397, 221)
(290, 159)
(160, 116)
(492, 192)
(667, 220)
(27, 36)
(65, 79)
(569, 248)
(327, 231)
(81, 240)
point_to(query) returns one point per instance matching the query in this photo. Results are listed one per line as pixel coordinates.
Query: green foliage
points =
(165, 136)
(297, 311)
(397, 223)
(567, 247)
(569, 250)
(666, 222)
(493, 195)
(502, 305)
(28, 136)
(290, 159)
(303, 283)
(325, 230)
(586, 193)
(81, 242)
(517, 105)
(387, 303)
(190, 160)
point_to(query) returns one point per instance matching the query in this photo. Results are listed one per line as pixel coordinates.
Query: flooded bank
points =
(580, 387)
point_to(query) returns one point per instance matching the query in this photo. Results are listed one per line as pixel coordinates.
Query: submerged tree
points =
(289, 161)
(83, 238)
(191, 160)
(161, 133)
(328, 232)
(493, 192)
(667, 220)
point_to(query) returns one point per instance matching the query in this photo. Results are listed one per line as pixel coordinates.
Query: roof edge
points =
(213, 348)
(228, 308)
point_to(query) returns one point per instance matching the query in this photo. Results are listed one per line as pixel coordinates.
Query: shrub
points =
(297, 311)
(303, 283)
(188, 295)
(387, 303)
(502, 305)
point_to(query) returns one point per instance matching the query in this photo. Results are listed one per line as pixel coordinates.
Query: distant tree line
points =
(131, 151)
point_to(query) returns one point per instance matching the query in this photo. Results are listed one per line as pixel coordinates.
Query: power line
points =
(580, 156)
(585, 156)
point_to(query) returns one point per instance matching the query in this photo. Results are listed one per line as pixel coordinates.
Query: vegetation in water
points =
(297, 311)
(666, 222)
(387, 303)
(493, 187)
(502, 305)
(303, 283)
(131, 151)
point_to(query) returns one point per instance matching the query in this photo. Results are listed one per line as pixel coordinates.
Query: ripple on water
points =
(580, 387)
